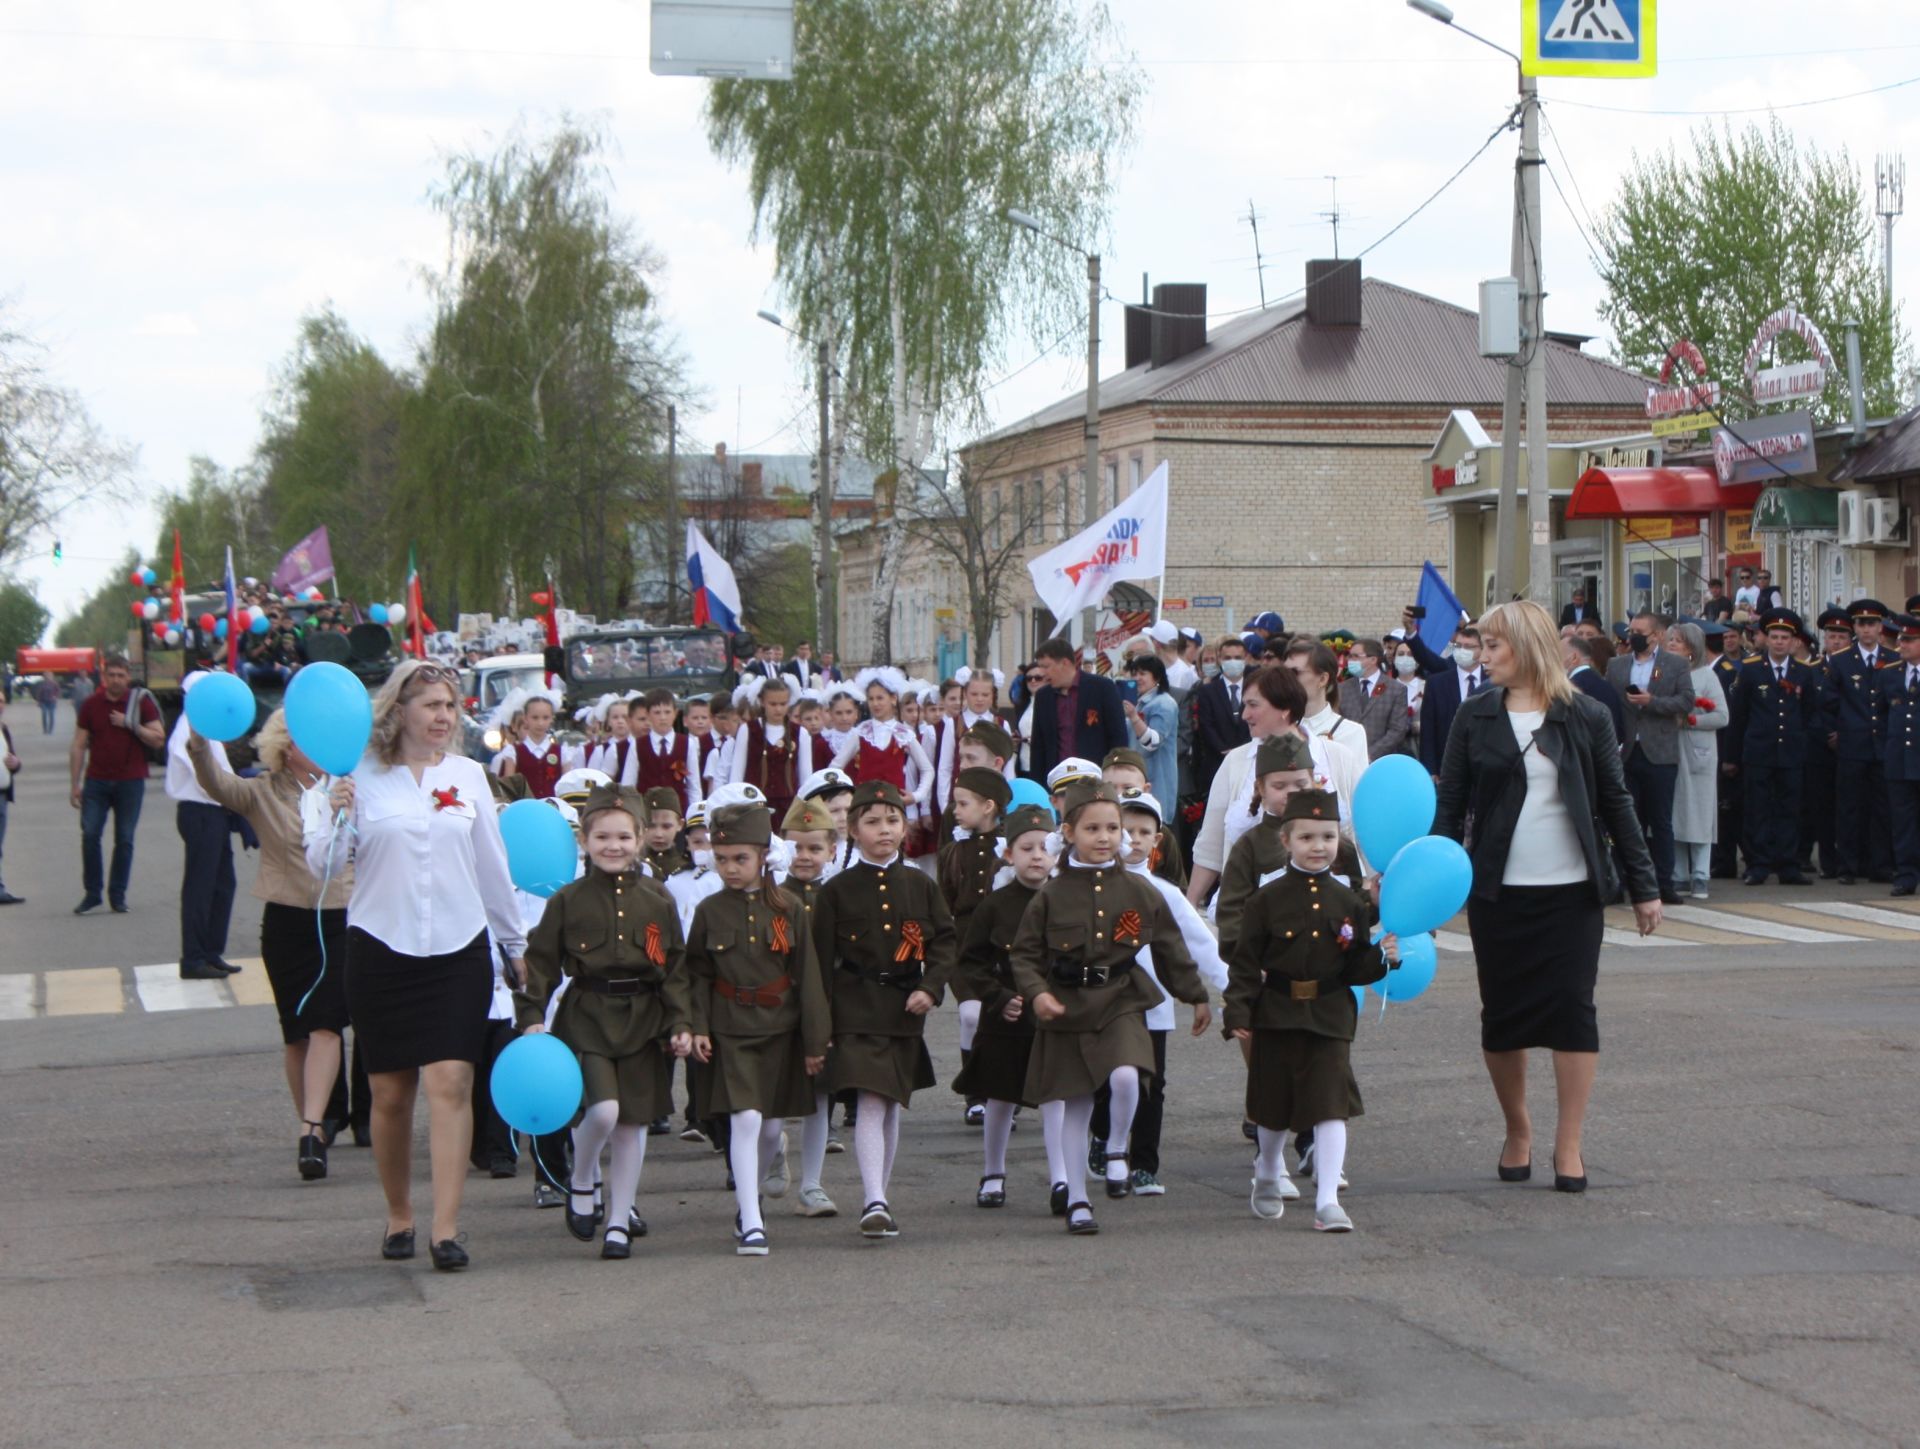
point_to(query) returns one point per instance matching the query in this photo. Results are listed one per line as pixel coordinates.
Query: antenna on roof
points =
(1889, 196)
(1333, 215)
(1259, 267)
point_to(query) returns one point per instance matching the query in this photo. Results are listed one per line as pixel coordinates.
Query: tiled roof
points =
(1895, 453)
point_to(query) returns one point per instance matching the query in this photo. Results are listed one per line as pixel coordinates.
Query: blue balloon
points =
(147, 577)
(1424, 885)
(1393, 805)
(220, 707)
(536, 1081)
(219, 628)
(1418, 963)
(260, 625)
(329, 716)
(540, 851)
(1359, 996)
(1031, 792)
(377, 613)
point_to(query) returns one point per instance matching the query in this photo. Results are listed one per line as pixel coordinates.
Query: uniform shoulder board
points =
(1888, 664)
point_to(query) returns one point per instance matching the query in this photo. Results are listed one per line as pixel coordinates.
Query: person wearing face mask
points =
(1375, 702)
(1656, 686)
(1218, 727)
(1450, 679)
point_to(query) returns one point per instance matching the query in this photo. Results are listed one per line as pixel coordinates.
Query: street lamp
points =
(1533, 372)
(1090, 484)
(826, 596)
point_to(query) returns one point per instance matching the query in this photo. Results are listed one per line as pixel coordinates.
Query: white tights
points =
(753, 1141)
(999, 1127)
(1053, 1134)
(626, 1157)
(876, 1136)
(599, 1125)
(1125, 1087)
(1329, 1157)
(589, 1140)
(813, 1141)
(969, 1023)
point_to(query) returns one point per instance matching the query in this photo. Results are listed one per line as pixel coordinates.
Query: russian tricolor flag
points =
(716, 594)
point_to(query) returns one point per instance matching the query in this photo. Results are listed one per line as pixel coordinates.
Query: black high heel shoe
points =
(313, 1152)
(1515, 1174)
(1563, 1182)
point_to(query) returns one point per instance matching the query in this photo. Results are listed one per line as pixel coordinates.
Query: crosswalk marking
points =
(1901, 922)
(161, 989)
(250, 987)
(16, 997)
(1452, 941)
(1748, 926)
(1674, 932)
(1854, 924)
(90, 991)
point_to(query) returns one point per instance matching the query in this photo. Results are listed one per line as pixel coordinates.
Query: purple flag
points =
(307, 563)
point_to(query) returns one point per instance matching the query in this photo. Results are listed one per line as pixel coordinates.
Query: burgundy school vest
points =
(774, 770)
(669, 771)
(542, 771)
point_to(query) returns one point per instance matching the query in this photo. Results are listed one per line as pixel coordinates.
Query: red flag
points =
(178, 586)
(553, 629)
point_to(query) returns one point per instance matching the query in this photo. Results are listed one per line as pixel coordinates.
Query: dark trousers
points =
(206, 881)
(98, 798)
(1865, 833)
(1652, 787)
(1903, 811)
(1732, 833)
(352, 1099)
(1143, 1141)
(492, 1137)
(1773, 817)
(48, 710)
(1819, 828)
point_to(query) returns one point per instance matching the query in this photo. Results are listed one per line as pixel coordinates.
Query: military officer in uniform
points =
(1776, 708)
(1899, 691)
(1817, 826)
(1865, 847)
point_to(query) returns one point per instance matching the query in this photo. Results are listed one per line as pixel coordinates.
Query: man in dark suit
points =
(1856, 653)
(762, 664)
(1449, 680)
(1217, 726)
(804, 671)
(1898, 688)
(1075, 713)
(1777, 706)
(1375, 701)
(1576, 609)
(829, 671)
(1578, 654)
(1656, 687)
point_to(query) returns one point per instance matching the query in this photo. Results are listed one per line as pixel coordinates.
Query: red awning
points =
(1654, 492)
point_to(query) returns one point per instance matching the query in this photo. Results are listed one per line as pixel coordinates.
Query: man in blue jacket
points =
(1777, 706)
(1898, 688)
(1075, 714)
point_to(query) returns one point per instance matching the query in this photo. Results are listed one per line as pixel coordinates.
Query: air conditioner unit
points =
(1886, 523)
(1851, 517)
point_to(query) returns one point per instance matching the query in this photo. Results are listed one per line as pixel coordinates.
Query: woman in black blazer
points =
(1532, 763)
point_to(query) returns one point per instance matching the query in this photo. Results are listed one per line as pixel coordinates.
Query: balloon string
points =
(320, 913)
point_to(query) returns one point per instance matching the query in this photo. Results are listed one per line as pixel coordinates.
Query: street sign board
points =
(1208, 601)
(1764, 449)
(1592, 38)
(1166, 605)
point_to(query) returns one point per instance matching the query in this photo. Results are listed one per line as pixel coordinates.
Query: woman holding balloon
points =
(430, 879)
(1533, 762)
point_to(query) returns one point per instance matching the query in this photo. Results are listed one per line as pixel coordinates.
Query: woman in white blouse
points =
(430, 879)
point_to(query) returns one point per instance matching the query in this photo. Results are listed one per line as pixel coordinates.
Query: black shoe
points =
(636, 1225)
(330, 1129)
(1563, 1183)
(1096, 1155)
(501, 1166)
(8, 898)
(362, 1134)
(996, 1198)
(1522, 1173)
(448, 1256)
(202, 973)
(1793, 877)
(87, 903)
(1905, 888)
(1672, 897)
(313, 1153)
(1248, 1130)
(1057, 1199)
(224, 966)
(581, 1225)
(618, 1243)
(1755, 877)
(545, 1195)
(1846, 878)
(119, 907)
(1123, 1187)
(660, 1127)
(398, 1245)
(1080, 1220)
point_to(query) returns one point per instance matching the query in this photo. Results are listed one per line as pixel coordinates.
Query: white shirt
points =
(1228, 817)
(427, 878)
(775, 736)
(1467, 677)
(181, 784)
(1640, 672)
(1329, 724)
(883, 734)
(1545, 850)
(1747, 596)
(605, 757)
(1180, 674)
(690, 887)
(1201, 944)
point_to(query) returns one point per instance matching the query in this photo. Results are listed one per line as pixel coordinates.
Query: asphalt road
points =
(1746, 1269)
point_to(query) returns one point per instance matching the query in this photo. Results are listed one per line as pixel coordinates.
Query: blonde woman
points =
(305, 958)
(430, 879)
(1533, 760)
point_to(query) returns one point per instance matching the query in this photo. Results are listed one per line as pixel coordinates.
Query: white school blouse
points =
(1201, 945)
(427, 877)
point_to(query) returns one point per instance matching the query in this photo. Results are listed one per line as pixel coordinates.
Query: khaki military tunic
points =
(1258, 854)
(757, 993)
(966, 871)
(996, 1069)
(616, 938)
(1078, 941)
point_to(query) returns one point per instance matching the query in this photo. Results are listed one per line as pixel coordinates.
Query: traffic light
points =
(56, 552)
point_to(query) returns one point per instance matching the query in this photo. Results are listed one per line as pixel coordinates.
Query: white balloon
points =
(173, 638)
(396, 614)
(150, 609)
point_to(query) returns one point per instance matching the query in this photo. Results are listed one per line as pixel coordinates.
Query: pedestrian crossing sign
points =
(1592, 38)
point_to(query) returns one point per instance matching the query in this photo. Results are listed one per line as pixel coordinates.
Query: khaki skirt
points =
(894, 1067)
(1078, 1063)
(765, 1074)
(641, 1082)
(1298, 1078)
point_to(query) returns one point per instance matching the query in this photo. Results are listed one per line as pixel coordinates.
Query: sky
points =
(186, 181)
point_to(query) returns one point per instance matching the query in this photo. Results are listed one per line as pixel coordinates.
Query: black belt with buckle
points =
(1296, 988)
(908, 980)
(629, 986)
(1066, 972)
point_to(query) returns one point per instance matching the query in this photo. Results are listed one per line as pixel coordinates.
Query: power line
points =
(1741, 110)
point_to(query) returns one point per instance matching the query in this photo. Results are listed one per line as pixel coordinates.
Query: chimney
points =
(750, 480)
(1333, 293)
(720, 455)
(1178, 323)
(1139, 335)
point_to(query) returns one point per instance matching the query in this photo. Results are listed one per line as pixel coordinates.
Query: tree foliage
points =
(103, 621)
(1707, 241)
(215, 509)
(23, 618)
(882, 173)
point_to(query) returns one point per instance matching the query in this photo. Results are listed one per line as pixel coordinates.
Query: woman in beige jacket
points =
(303, 926)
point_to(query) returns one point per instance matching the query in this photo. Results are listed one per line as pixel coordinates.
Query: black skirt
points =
(1537, 952)
(291, 945)
(411, 1010)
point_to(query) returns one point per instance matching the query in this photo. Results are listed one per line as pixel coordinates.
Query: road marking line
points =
(1452, 941)
(1748, 926)
(16, 996)
(1805, 916)
(1905, 922)
(1676, 931)
(250, 987)
(91, 991)
(161, 989)
(1613, 936)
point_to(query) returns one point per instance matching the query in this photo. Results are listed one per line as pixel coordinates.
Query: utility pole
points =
(1889, 198)
(1533, 311)
(673, 509)
(826, 595)
(1506, 520)
(1088, 619)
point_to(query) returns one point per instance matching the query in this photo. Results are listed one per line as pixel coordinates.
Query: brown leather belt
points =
(767, 996)
(1297, 989)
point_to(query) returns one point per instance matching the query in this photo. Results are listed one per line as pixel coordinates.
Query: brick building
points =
(1299, 441)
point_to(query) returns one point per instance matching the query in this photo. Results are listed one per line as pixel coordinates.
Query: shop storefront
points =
(1666, 526)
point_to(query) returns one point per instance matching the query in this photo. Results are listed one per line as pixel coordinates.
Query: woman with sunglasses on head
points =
(430, 879)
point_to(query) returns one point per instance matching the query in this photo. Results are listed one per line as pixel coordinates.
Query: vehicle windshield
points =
(497, 684)
(647, 656)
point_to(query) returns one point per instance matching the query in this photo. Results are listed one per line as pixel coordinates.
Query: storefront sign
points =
(1625, 455)
(1794, 379)
(1761, 449)
(1685, 425)
(1658, 530)
(1740, 537)
(1669, 398)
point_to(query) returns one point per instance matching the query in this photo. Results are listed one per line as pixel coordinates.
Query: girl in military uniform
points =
(760, 1015)
(615, 936)
(887, 940)
(967, 865)
(808, 831)
(1073, 961)
(1302, 948)
(995, 1071)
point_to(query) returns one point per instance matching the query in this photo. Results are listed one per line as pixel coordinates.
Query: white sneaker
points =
(773, 1182)
(1288, 1191)
(1332, 1219)
(813, 1202)
(1269, 1200)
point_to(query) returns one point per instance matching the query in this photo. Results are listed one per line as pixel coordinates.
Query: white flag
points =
(1129, 543)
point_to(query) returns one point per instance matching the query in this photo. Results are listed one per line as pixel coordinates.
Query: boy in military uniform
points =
(760, 1016)
(1073, 962)
(886, 939)
(808, 830)
(1302, 948)
(965, 870)
(665, 857)
(1860, 800)
(615, 936)
(1776, 708)
(1899, 691)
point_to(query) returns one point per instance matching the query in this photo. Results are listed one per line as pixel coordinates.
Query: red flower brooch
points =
(1345, 938)
(1703, 703)
(447, 799)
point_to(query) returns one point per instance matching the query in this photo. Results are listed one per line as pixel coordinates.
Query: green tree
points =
(214, 510)
(540, 419)
(23, 618)
(882, 173)
(1707, 241)
(329, 455)
(105, 619)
